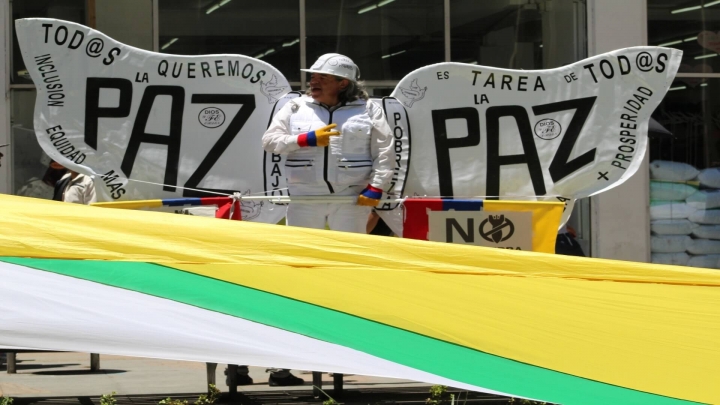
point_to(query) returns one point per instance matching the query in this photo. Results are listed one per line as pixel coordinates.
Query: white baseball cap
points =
(336, 65)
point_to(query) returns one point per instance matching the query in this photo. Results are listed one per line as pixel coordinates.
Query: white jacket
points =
(361, 155)
(80, 190)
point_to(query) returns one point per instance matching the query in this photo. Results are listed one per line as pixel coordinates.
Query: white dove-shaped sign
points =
(149, 125)
(554, 135)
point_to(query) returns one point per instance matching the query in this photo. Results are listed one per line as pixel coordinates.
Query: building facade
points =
(390, 38)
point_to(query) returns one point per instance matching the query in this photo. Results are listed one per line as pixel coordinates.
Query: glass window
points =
(517, 35)
(69, 10)
(684, 143)
(689, 119)
(498, 34)
(268, 30)
(387, 39)
(691, 26)
(685, 179)
(32, 174)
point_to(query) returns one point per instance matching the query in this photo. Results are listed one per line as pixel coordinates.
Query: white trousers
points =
(339, 217)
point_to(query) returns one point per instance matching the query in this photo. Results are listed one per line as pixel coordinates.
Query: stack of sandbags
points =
(706, 242)
(679, 210)
(670, 228)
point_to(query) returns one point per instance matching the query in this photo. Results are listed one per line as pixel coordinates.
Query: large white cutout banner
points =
(568, 132)
(195, 122)
(174, 123)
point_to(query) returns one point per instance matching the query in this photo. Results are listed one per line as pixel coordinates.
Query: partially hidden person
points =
(44, 187)
(566, 242)
(76, 188)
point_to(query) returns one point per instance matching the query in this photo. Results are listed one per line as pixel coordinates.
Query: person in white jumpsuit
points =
(336, 142)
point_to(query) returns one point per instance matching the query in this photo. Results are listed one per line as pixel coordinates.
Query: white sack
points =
(670, 243)
(670, 210)
(670, 191)
(707, 231)
(678, 259)
(704, 246)
(710, 177)
(711, 217)
(672, 226)
(706, 261)
(672, 171)
(704, 199)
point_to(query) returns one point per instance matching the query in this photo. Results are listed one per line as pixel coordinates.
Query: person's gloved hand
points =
(370, 196)
(318, 137)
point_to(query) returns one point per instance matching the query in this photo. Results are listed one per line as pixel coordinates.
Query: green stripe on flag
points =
(397, 345)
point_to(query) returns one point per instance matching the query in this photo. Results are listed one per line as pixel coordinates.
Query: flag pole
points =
(179, 202)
